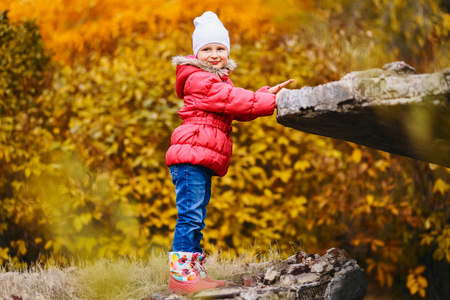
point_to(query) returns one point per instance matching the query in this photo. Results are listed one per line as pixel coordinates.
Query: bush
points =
(23, 136)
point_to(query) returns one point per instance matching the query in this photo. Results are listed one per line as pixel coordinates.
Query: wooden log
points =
(390, 109)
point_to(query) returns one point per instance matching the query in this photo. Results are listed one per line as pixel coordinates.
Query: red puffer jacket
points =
(211, 103)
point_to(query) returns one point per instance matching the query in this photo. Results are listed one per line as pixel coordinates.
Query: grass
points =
(121, 278)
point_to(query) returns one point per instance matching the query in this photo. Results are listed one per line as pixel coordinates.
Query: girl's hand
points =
(278, 87)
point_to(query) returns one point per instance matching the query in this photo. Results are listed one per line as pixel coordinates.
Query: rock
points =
(348, 284)
(301, 256)
(390, 109)
(219, 293)
(259, 277)
(333, 276)
(291, 260)
(251, 295)
(399, 67)
(271, 276)
(337, 256)
(248, 281)
(287, 280)
(174, 297)
(296, 269)
(317, 268)
(307, 278)
(240, 293)
(156, 296)
(322, 267)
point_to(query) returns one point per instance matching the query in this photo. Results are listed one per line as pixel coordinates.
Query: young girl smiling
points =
(201, 147)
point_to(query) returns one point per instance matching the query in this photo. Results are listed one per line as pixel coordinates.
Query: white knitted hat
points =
(209, 29)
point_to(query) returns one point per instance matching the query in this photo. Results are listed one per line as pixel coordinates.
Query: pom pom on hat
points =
(209, 29)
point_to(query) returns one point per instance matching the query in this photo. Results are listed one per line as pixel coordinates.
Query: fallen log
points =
(391, 109)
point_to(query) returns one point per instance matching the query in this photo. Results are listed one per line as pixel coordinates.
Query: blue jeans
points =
(193, 192)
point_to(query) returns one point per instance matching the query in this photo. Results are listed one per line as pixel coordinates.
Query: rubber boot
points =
(184, 277)
(200, 260)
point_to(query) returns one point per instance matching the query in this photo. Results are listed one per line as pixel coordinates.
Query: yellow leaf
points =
(48, 245)
(4, 253)
(378, 243)
(419, 270)
(427, 240)
(427, 224)
(301, 165)
(356, 155)
(268, 193)
(389, 280)
(422, 281)
(414, 288)
(370, 268)
(380, 276)
(422, 293)
(21, 249)
(438, 254)
(283, 140)
(441, 186)
(410, 280)
(283, 175)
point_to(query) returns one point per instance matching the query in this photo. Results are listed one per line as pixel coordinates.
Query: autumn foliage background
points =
(87, 107)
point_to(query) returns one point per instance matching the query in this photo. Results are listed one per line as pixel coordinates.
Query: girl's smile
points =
(216, 54)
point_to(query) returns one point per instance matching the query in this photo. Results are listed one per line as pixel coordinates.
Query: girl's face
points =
(216, 54)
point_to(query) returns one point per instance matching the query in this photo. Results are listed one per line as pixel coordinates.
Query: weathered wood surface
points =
(390, 109)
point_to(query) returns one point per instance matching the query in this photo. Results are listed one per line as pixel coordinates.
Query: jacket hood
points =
(192, 61)
(186, 66)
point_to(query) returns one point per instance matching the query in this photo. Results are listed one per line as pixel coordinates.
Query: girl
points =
(201, 146)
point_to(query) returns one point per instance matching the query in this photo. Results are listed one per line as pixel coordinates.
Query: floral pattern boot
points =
(185, 275)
